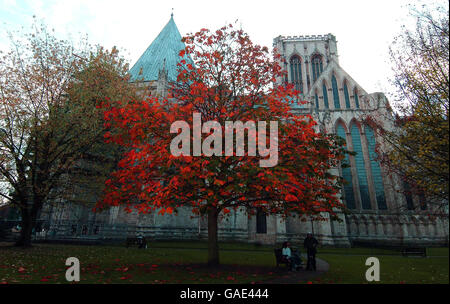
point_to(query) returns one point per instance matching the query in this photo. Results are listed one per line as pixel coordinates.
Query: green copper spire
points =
(164, 51)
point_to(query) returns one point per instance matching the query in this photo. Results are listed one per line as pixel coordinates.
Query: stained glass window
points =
(347, 175)
(356, 98)
(296, 72)
(337, 104)
(376, 170)
(325, 95)
(317, 67)
(360, 168)
(346, 96)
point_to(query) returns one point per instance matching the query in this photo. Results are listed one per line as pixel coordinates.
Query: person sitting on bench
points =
(293, 259)
(141, 241)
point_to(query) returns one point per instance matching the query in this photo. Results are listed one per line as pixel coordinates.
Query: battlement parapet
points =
(304, 38)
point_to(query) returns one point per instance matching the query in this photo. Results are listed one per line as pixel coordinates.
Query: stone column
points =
(280, 228)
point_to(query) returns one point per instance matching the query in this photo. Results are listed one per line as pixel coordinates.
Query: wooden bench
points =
(141, 242)
(280, 259)
(420, 251)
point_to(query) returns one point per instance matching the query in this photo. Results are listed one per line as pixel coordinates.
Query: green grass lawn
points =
(393, 269)
(117, 264)
(184, 262)
(347, 265)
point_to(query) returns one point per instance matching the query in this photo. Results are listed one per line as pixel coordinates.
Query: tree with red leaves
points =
(232, 80)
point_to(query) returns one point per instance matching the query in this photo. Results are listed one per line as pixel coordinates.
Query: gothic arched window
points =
(346, 96)
(347, 175)
(296, 72)
(376, 170)
(360, 168)
(408, 195)
(317, 66)
(356, 98)
(325, 96)
(337, 104)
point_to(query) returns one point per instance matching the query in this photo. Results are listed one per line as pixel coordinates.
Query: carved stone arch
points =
(296, 74)
(295, 54)
(337, 75)
(336, 90)
(346, 83)
(316, 54)
(340, 121)
(357, 123)
(354, 93)
(349, 84)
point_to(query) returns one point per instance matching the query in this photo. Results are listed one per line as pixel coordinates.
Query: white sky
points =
(364, 29)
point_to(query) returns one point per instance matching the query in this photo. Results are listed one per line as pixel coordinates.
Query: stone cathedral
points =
(378, 212)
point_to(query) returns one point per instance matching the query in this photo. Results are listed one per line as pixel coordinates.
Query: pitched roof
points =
(164, 50)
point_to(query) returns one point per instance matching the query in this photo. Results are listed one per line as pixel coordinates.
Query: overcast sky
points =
(364, 29)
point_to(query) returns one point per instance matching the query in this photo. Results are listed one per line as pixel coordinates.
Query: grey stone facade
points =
(394, 225)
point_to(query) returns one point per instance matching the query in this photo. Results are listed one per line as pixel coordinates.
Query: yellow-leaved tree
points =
(50, 118)
(417, 141)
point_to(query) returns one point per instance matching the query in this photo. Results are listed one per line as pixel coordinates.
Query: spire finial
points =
(171, 15)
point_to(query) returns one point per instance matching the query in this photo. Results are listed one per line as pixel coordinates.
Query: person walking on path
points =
(310, 244)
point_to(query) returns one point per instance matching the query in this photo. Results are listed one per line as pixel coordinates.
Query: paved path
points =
(286, 276)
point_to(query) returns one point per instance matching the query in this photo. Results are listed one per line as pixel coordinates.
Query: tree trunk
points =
(213, 245)
(26, 229)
